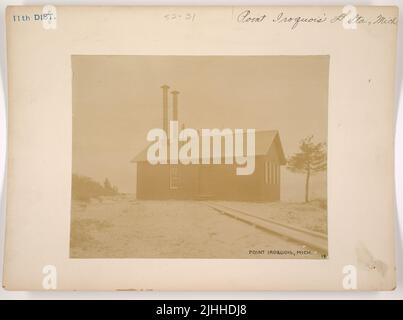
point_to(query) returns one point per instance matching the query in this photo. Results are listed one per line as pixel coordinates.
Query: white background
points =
(397, 294)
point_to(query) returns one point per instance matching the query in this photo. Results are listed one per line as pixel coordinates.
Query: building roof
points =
(263, 141)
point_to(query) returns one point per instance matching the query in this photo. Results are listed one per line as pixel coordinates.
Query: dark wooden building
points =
(211, 181)
(215, 181)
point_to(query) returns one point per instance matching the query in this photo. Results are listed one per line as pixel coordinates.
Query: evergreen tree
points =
(107, 185)
(311, 159)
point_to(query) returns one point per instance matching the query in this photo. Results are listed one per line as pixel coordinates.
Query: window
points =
(274, 173)
(174, 177)
(271, 173)
(266, 172)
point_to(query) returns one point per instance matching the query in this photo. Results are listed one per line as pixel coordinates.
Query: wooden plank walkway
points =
(314, 240)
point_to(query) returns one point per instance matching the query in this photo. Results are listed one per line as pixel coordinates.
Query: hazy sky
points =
(117, 99)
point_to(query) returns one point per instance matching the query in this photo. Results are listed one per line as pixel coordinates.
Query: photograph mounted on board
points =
(199, 157)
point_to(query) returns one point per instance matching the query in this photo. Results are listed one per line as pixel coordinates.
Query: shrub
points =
(84, 188)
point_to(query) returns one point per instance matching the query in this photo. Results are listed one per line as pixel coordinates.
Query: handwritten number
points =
(175, 16)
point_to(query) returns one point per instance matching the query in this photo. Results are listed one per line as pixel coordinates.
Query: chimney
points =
(165, 107)
(175, 105)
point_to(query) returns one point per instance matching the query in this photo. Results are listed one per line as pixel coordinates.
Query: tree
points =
(311, 159)
(109, 188)
(107, 184)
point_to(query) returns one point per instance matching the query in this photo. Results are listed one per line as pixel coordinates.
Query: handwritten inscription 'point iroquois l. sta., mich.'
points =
(348, 16)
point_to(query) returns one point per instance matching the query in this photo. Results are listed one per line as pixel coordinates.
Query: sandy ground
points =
(122, 227)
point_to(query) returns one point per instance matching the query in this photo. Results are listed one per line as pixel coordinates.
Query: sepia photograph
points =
(199, 157)
(201, 151)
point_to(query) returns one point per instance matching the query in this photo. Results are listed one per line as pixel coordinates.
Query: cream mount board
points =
(200, 148)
